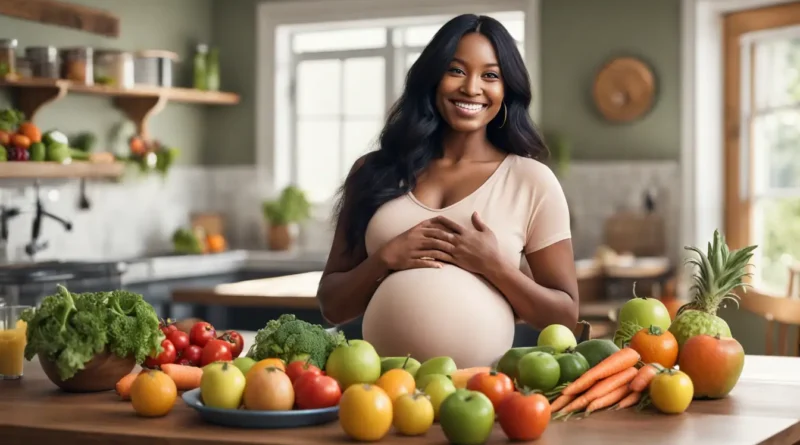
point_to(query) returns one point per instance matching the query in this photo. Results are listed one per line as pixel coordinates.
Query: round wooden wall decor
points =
(624, 89)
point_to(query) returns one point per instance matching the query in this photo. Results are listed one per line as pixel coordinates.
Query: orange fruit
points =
(216, 243)
(5, 138)
(397, 382)
(20, 141)
(266, 363)
(31, 131)
(153, 394)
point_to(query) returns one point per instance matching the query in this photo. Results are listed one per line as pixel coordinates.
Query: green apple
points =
(438, 388)
(467, 417)
(538, 370)
(507, 364)
(410, 364)
(434, 366)
(244, 364)
(353, 362)
(645, 312)
(557, 336)
(222, 386)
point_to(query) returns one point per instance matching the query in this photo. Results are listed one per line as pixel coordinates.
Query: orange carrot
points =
(185, 377)
(577, 404)
(610, 383)
(608, 399)
(644, 377)
(124, 384)
(561, 402)
(616, 362)
(629, 400)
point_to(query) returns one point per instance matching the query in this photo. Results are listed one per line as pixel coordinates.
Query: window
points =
(763, 205)
(345, 78)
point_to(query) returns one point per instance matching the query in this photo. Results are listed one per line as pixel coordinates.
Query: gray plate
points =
(240, 418)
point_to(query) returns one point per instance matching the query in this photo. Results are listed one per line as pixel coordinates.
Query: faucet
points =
(34, 247)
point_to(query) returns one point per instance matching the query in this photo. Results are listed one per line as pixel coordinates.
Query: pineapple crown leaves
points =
(721, 272)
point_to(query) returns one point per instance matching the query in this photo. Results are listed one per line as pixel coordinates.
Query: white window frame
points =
(702, 115)
(273, 93)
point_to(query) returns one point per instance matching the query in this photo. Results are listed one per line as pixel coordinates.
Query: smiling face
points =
(471, 92)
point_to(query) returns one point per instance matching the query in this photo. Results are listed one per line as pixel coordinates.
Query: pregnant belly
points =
(435, 312)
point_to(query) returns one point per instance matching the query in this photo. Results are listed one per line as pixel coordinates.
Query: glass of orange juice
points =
(12, 342)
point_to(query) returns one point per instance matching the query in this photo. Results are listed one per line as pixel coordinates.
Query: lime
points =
(572, 365)
(539, 370)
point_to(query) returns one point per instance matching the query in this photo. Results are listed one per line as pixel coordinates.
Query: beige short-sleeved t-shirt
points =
(450, 311)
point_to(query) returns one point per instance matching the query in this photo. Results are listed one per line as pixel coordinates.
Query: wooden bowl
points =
(101, 373)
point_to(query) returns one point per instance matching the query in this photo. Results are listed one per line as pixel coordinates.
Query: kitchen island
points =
(764, 408)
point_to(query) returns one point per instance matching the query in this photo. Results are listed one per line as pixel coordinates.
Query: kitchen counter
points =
(764, 408)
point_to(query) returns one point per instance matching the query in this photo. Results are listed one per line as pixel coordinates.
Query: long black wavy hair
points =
(412, 136)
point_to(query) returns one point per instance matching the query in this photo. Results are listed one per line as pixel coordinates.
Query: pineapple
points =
(720, 272)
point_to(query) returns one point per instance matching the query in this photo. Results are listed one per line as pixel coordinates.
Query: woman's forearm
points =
(535, 304)
(344, 296)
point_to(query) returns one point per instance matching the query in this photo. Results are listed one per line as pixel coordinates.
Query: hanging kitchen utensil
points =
(624, 89)
(84, 203)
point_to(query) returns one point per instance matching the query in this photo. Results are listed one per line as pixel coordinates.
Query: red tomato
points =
(201, 333)
(185, 362)
(179, 339)
(168, 355)
(216, 351)
(524, 416)
(494, 385)
(299, 367)
(167, 326)
(235, 340)
(313, 391)
(193, 353)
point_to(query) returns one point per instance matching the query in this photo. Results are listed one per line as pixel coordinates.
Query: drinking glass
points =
(12, 342)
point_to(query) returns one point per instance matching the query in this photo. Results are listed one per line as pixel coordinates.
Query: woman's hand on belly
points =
(474, 248)
(422, 246)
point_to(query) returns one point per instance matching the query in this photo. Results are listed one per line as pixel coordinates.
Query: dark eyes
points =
(456, 70)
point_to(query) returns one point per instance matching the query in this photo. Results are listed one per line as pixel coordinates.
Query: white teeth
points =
(469, 106)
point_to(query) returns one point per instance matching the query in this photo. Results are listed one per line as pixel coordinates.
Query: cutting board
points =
(639, 233)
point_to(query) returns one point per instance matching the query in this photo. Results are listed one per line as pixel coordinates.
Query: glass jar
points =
(113, 68)
(8, 56)
(77, 65)
(43, 61)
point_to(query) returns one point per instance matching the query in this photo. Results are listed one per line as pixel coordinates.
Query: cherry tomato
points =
(316, 391)
(216, 351)
(193, 353)
(167, 326)
(179, 339)
(235, 340)
(494, 385)
(185, 362)
(524, 416)
(202, 332)
(168, 355)
(299, 367)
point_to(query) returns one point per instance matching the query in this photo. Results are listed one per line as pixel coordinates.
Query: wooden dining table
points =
(764, 408)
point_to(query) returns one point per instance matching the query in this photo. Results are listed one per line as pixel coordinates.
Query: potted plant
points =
(291, 207)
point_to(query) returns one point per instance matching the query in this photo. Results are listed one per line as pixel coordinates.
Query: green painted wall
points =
(578, 36)
(174, 25)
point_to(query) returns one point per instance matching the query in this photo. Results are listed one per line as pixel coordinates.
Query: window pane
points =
(339, 39)
(776, 145)
(420, 35)
(319, 88)
(777, 73)
(364, 86)
(778, 238)
(317, 158)
(516, 28)
(360, 136)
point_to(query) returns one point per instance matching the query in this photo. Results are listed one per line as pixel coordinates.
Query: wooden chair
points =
(777, 310)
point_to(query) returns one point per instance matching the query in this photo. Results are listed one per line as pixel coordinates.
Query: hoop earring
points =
(505, 115)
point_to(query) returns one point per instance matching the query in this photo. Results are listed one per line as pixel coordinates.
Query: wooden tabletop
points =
(764, 408)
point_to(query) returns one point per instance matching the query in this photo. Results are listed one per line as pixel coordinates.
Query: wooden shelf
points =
(54, 170)
(138, 103)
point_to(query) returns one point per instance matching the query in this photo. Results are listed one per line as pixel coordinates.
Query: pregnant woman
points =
(451, 230)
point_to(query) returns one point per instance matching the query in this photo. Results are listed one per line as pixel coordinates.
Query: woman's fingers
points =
(437, 239)
(447, 222)
(435, 255)
(423, 264)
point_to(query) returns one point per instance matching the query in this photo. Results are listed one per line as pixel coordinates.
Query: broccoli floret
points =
(291, 339)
